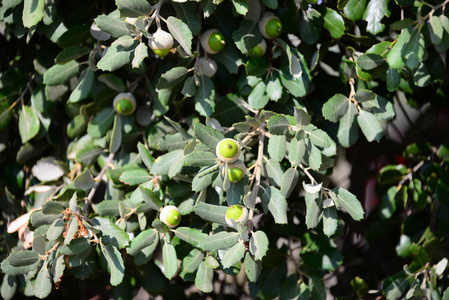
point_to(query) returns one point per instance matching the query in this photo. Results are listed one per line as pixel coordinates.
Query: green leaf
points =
(170, 260)
(84, 86)
(277, 147)
(8, 287)
(133, 8)
(52, 208)
(189, 235)
(145, 155)
(116, 134)
(278, 125)
(55, 230)
(289, 181)
(414, 51)
(219, 241)
(393, 79)
(370, 126)
(396, 56)
(258, 98)
(48, 169)
(274, 172)
(115, 263)
(256, 66)
(60, 74)
(74, 36)
(241, 6)
(76, 246)
(172, 77)
(167, 163)
(88, 156)
(354, 9)
(395, 286)
(109, 208)
(187, 13)
(101, 123)
(116, 57)
(29, 124)
(200, 159)
(71, 231)
(253, 267)
(84, 181)
(230, 58)
(112, 81)
(181, 32)
(298, 87)
(312, 156)
(314, 205)
(108, 228)
(273, 88)
(5, 114)
(43, 284)
(205, 96)
(436, 30)
(204, 277)
(114, 26)
(205, 177)
(192, 261)
(207, 135)
(233, 255)
(333, 22)
(247, 36)
(71, 53)
(349, 202)
(381, 108)
(22, 258)
(140, 53)
(301, 116)
(258, 244)
(374, 13)
(33, 12)
(151, 198)
(370, 61)
(296, 152)
(135, 176)
(335, 108)
(308, 31)
(330, 220)
(211, 213)
(274, 201)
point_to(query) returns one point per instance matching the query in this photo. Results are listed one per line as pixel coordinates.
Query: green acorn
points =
(170, 216)
(124, 104)
(236, 171)
(213, 41)
(228, 150)
(161, 42)
(270, 26)
(205, 66)
(236, 213)
(259, 49)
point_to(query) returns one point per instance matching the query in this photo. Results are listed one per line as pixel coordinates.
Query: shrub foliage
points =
(85, 176)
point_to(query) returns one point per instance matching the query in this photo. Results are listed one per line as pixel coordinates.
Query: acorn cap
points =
(212, 41)
(170, 216)
(161, 40)
(98, 34)
(205, 66)
(236, 213)
(118, 107)
(230, 150)
(263, 25)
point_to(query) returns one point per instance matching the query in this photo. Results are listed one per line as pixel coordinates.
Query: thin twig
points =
(434, 9)
(306, 171)
(98, 179)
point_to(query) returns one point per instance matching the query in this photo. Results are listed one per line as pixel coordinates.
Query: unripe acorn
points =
(98, 34)
(238, 213)
(236, 171)
(270, 26)
(124, 104)
(161, 42)
(228, 150)
(205, 66)
(170, 216)
(212, 41)
(259, 49)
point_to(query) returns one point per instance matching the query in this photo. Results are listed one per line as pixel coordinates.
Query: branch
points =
(97, 179)
(306, 171)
